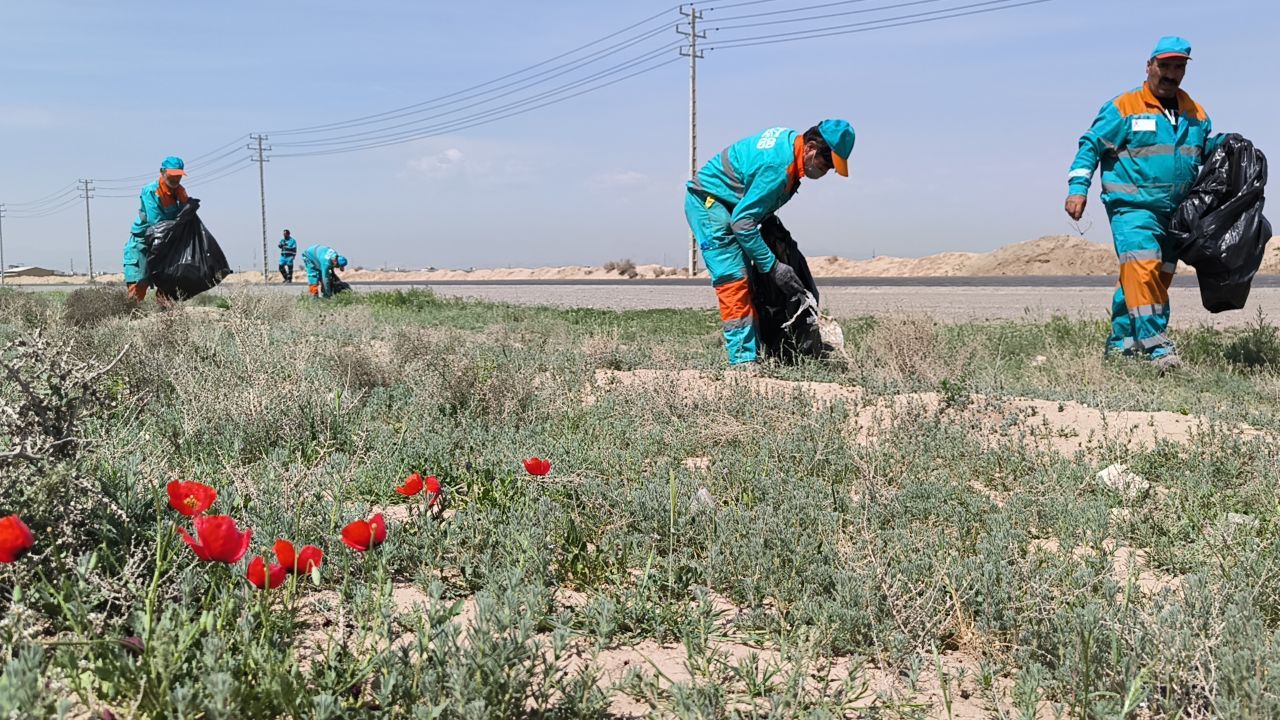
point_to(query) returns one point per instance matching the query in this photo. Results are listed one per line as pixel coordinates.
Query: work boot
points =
(1167, 362)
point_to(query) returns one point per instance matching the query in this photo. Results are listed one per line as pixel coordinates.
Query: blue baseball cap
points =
(341, 261)
(173, 165)
(1172, 46)
(839, 137)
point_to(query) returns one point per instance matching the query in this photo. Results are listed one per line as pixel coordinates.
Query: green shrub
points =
(1257, 347)
(92, 305)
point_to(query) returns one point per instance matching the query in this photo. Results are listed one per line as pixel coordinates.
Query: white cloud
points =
(450, 162)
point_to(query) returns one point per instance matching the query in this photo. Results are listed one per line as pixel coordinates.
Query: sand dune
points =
(1051, 255)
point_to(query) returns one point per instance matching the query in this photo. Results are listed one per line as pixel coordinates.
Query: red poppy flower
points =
(537, 466)
(412, 485)
(15, 538)
(263, 578)
(191, 498)
(360, 535)
(220, 540)
(433, 488)
(302, 562)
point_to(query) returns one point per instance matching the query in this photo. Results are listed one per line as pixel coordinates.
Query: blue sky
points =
(966, 127)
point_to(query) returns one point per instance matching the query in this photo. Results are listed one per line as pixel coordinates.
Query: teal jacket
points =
(152, 209)
(1147, 162)
(319, 262)
(753, 178)
(288, 249)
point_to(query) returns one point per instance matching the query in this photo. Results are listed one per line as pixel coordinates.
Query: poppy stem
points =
(671, 533)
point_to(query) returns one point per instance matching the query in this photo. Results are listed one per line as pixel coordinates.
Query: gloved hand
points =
(787, 280)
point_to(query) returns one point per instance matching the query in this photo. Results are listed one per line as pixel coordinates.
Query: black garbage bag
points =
(183, 259)
(787, 327)
(337, 284)
(1219, 228)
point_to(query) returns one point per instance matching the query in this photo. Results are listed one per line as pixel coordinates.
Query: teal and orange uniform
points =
(728, 199)
(157, 202)
(1150, 153)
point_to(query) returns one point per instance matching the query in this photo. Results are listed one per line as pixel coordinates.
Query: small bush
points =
(1256, 347)
(415, 299)
(90, 306)
(625, 268)
(22, 308)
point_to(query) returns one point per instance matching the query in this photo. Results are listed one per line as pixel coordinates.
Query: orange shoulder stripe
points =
(1190, 108)
(1134, 102)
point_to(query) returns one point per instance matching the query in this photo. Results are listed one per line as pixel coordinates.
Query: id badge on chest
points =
(1144, 125)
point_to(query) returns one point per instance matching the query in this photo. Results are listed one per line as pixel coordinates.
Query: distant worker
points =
(161, 200)
(288, 250)
(733, 193)
(321, 263)
(1150, 142)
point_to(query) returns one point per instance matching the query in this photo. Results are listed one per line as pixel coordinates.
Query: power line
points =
(386, 134)
(881, 24)
(488, 119)
(195, 171)
(194, 159)
(51, 197)
(62, 207)
(824, 16)
(521, 71)
(785, 11)
(236, 170)
(496, 93)
(718, 6)
(190, 167)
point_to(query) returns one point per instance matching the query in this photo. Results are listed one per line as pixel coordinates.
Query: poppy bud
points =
(133, 645)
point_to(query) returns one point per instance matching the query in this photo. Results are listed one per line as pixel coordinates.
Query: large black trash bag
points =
(337, 284)
(183, 259)
(1219, 228)
(787, 327)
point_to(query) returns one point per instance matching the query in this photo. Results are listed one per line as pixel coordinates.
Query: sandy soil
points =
(1062, 255)
(1066, 427)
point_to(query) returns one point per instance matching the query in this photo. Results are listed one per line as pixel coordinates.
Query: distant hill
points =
(1051, 255)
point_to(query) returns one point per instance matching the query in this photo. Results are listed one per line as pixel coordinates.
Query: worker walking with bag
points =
(1150, 143)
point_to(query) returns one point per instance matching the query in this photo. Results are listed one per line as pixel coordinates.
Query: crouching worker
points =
(161, 200)
(321, 264)
(733, 193)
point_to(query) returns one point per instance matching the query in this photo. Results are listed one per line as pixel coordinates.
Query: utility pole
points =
(262, 192)
(86, 190)
(2, 265)
(693, 54)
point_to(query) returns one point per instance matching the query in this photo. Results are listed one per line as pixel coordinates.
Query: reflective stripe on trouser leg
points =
(727, 265)
(1122, 335)
(1144, 282)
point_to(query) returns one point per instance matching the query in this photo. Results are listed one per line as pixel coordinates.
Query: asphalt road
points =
(946, 303)
(947, 299)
